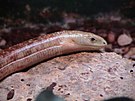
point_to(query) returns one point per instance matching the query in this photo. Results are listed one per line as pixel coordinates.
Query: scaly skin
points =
(33, 51)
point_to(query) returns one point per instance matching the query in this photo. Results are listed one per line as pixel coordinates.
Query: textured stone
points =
(77, 77)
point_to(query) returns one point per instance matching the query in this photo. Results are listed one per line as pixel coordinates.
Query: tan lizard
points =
(30, 52)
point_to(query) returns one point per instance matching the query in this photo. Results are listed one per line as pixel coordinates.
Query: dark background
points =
(17, 8)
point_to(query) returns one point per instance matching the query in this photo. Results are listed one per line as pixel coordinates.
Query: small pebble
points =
(118, 50)
(130, 53)
(122, 50)
(2, 42)
(111, 37)
(124, 39)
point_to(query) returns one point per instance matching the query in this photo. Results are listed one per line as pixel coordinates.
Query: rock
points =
(111, 37)
(122, 50)
(130, 53)
(2, 42)
(109, 48)
(124, 39)
(77, 77)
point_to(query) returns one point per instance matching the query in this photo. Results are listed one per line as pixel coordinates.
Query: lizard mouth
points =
(96, 46)
(90, 47)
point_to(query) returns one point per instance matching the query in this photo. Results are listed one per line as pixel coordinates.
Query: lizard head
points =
(89, 40)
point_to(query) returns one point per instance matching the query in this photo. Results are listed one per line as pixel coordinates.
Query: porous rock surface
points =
(78, 77)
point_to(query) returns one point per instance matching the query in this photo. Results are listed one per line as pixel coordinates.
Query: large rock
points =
(77, 77)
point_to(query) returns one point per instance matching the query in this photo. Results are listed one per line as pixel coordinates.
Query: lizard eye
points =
(92, 39)
(104, 43)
